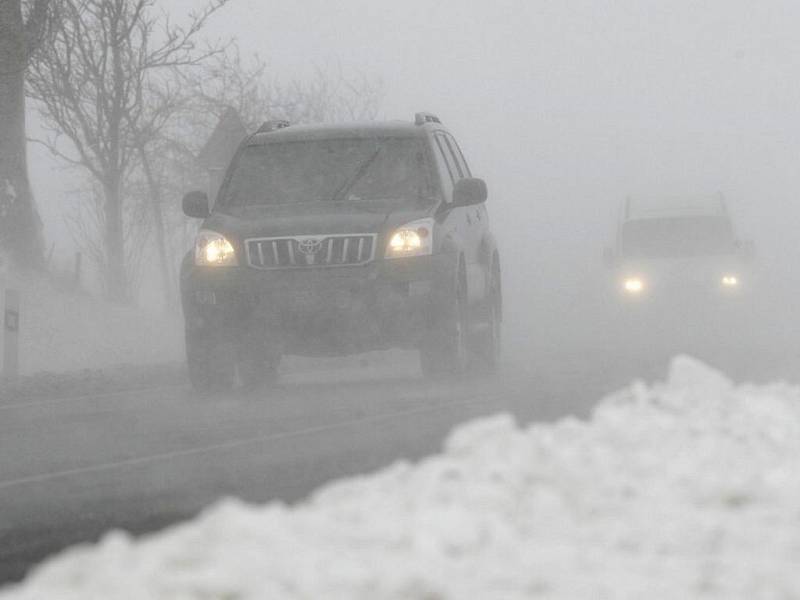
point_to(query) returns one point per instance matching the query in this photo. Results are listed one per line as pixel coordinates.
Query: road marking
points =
(97, 396)
(133, 462)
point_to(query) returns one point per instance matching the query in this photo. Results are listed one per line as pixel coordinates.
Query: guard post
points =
(11, 336)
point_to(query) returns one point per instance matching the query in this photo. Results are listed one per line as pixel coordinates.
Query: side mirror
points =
(747, 249)
(195, 205)
(470, 191)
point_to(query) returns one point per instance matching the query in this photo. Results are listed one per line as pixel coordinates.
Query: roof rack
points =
(425, 117)
(273, 125)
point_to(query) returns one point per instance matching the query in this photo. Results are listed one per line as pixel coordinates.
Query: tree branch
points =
(36, 25)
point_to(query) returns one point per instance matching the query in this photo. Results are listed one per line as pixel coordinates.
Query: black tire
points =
(257, 364)
(216, 365)
(253, 376)
(210, 362)
(445, 351)
(488, 342)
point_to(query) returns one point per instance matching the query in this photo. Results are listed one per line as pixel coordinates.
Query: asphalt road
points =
(73, 468)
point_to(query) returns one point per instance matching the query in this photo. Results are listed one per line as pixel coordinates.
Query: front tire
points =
(218, 365)
(210, 362)
(489, 340)
(445, 353)
(257, 363)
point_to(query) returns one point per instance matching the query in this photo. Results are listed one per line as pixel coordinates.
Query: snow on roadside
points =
(63, 330)
(686, 489)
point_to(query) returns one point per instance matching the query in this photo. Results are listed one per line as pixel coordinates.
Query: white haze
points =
(565, 108)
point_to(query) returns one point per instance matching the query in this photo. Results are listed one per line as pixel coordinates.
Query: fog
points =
(565, 108)
(573, 105)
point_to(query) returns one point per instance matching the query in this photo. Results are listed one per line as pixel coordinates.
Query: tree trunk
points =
(116, 278)
(20, 226)
(167, 279)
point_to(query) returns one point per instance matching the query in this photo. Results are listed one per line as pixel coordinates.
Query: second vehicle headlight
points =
(730, 281)
(633, 285)
(412, 239)
(211, 249)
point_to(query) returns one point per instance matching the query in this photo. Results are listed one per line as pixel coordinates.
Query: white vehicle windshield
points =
(677, 237)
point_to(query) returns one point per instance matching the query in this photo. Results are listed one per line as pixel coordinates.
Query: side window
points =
(462, 163)
(446, 170)
(452, 167)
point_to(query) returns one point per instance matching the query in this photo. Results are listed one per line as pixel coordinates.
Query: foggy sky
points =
(567, 106)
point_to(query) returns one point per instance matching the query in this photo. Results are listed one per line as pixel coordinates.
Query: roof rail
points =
(425, 117)
(273, 125)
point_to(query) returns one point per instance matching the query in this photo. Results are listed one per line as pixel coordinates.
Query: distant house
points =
(216, 155)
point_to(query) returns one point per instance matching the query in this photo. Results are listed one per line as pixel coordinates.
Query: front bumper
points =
(321, 311)
(684, 294)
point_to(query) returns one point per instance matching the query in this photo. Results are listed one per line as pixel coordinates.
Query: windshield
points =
(677, 237)
(348, 169)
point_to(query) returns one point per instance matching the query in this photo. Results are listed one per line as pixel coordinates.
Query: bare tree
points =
(165, 100)
(331, 94)
(93, 82)
(21, 28)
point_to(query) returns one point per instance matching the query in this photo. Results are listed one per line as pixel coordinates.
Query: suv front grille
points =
(311, 251)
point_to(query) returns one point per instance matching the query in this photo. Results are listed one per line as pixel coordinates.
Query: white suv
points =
(664, 249)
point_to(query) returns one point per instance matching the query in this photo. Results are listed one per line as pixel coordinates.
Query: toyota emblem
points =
(309, 246)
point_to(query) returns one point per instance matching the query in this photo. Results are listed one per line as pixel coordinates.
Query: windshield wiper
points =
(351, 181)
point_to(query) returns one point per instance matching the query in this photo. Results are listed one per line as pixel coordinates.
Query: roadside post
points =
(11, 336)
(78, 264)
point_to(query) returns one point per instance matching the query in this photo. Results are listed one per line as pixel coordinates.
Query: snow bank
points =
(62, 330)
(686, 489)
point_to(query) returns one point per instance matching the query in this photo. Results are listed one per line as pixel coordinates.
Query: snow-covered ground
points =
(684, 489)
(63, 330)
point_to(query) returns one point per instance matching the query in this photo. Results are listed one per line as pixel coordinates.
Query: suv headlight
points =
(211, 249)
(412, 239)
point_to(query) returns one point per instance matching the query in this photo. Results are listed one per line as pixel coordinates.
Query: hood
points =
(313, 218)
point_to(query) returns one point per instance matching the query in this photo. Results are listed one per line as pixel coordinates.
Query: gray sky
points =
(566, 106)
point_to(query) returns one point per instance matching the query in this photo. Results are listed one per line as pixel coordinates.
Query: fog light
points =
(633, 285)
(730, 281)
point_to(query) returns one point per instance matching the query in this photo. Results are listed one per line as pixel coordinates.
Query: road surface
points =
(72, 468)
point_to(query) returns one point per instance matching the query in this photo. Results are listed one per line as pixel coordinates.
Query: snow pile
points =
(63, 330)
(686, 489)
